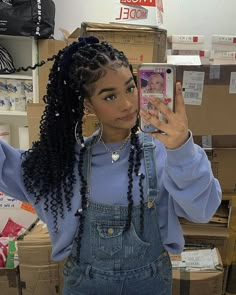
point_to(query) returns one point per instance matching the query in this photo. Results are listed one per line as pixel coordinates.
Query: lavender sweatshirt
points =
(187, 189)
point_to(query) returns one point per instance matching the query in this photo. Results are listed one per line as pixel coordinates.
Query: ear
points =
(88, 106)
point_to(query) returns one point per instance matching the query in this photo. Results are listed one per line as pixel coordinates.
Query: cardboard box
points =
(219, 237)
(223, 58)
(187, 42)
(231, 286)
(47, 48)
(34, 113)
(216, 141)
(204, 55)
(224, 42)
(215, 115)
(10, 281)
(38, 280)
(35, 253)
(149, 43)
(223, 163)
(195, 283)
(198, 281)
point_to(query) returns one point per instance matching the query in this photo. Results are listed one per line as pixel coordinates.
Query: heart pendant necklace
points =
(115, 155)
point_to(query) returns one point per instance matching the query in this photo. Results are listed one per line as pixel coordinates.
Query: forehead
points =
(113, 78)
(156, 77)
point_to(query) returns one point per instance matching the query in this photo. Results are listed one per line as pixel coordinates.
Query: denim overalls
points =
(118, 262)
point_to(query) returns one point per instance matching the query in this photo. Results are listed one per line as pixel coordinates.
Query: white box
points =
(187, 42)
(224, 42)
(203, 54)
(138, 12)
(224, 58)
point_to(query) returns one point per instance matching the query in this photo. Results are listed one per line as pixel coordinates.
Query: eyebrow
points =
(112, 89)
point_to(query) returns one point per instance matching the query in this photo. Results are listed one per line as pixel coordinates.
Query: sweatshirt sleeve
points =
(11, 180)
(188, 178)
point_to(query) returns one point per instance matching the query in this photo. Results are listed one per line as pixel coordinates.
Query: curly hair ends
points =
(49, 166)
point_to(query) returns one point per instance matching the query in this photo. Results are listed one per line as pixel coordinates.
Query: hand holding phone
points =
(155, 80)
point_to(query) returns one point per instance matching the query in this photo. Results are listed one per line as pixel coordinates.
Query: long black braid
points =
(49, 166)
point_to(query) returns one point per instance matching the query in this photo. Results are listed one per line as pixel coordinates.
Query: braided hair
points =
(49, 166)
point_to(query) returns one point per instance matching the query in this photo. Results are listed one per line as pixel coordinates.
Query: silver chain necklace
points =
(115, 155)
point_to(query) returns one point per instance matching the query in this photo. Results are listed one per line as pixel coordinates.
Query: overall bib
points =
(114, 261)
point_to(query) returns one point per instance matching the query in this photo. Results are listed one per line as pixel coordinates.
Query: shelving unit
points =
(24, 52)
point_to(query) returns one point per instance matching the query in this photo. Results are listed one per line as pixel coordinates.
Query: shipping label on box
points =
(138, 12)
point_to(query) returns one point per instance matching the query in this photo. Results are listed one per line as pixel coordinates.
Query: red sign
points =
(139, 2)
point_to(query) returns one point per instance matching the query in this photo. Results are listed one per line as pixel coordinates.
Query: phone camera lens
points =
(168, 71)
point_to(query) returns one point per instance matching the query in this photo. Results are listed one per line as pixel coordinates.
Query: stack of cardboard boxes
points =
(38, 273)
(213, 125)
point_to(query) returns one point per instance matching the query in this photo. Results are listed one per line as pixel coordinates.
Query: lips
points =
(129, 117)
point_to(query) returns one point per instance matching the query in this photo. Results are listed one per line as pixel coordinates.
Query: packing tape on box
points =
(184, 287)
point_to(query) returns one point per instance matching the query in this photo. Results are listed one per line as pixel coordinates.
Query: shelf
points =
(13, 113)
(15, 76)
(11, 37)
(228, 196)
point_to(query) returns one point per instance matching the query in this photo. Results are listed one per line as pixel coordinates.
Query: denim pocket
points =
(110, 237)
(74, 277)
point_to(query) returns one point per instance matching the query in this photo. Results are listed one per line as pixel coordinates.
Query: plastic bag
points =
(6, 62)
(27, 18)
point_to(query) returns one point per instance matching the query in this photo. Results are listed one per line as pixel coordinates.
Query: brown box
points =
(204, 282)
(47, 48)
(10, 281)
(219, 237)
(39, 279)
(223, 163)
(231, 286)
(140, 44)
(216, 141)
(35, 253)
(34, 113)
(216, 114)
(195, 283)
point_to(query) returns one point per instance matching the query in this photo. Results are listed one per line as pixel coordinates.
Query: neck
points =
(115, 136)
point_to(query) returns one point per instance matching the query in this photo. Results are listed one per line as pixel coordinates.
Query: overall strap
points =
(150, 167)
(87, 160)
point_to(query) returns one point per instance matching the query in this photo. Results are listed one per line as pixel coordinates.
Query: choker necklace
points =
(115, 155)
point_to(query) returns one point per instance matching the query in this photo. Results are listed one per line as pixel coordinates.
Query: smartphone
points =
(156, 80)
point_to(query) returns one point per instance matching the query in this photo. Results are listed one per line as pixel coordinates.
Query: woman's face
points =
(115, 99)
(156, 82)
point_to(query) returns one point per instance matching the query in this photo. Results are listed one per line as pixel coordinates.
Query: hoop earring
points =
(90, 141)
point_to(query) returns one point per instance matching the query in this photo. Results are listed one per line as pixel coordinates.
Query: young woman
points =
(111, 201)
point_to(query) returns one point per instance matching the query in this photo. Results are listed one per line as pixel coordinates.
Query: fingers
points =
(179, 99)
(155, 121)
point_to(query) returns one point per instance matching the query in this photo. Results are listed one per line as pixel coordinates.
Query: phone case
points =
(155, 80)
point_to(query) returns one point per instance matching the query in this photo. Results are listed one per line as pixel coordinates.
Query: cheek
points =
(104, 111)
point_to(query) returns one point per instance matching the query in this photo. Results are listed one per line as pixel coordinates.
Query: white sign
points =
(138, 12)
(7, 202)
(193, 83)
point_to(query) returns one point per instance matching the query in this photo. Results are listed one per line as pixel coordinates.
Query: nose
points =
(126, 104)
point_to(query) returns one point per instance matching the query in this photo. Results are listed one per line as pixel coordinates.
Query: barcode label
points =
(193, 87)
(191, 95)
